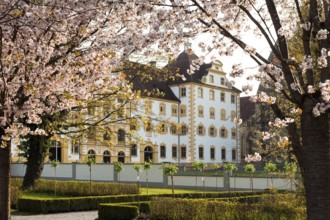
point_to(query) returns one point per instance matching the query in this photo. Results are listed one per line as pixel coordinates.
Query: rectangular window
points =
(162, 109)
(133, 150)
(148, 127)
(162, 151)
(233, 133)
(184, 130)
(182, 111)
(222, 132)
(233, 154)
(211, 79)
(222, 81)
(201, 152)
(222, 97)
(163, 128)
(232, 98)
(212, 131)
(200, 111)
(183, 152)
(212, 113)
(200, 92)
(183, 92)
(174, 151)
(211, 95)
(200, 130)
(212, 153)
(174, 111)
(223, 154)
(173, 129)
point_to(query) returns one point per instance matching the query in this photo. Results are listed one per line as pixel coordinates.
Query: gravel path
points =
(90, 215)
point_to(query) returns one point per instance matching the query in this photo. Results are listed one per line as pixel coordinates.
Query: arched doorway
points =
(121, 157)
(148, 154)
(106, 157)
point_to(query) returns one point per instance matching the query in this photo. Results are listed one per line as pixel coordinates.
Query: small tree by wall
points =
(270, 169)
(216, 166)
(290, 170)
(230, 168)
(200, 166)
(90, 162)
(147, 167)
(54, 164)
(118, 169)
(250, 168)
(170, 170)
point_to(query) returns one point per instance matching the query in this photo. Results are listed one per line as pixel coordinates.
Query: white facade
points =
(211, 135)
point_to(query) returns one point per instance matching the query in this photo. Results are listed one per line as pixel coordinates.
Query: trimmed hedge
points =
(117, 212)
(91, 203)
(81, 188)
(122, 210)
(182, 209)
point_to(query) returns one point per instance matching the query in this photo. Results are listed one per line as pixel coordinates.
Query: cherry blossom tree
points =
(55, 53)
(304, 84)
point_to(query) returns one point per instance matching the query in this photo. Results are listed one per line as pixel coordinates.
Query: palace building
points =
(194, 116)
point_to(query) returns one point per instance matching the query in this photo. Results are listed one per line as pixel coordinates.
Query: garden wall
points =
(156, 178)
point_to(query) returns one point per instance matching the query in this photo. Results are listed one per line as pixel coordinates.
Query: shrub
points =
(257, 207)
(121, 210)
(117, 212)
(74, 203)
(15, 194)
(81, 188)
(91, 202)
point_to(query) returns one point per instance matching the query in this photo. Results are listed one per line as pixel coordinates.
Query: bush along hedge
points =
(81, 188)
(74, 203)
(123, 211)
(91, 202)
(269, 207)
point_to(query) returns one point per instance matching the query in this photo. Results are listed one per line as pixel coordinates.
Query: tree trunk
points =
(316, 157)
(5, 182)
(38, 147)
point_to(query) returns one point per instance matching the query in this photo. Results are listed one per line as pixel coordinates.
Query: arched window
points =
(106, 135)
(223, 114)
(184, 129)
(223, 132)
(106, 157)
(173, 129)
(212, 131)
(121, 135)
(121, 157)
(91, 154)
(201, 129)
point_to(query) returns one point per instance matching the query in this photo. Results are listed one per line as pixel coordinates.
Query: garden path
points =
(88, 215)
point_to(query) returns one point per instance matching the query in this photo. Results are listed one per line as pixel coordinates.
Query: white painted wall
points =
(105, 172)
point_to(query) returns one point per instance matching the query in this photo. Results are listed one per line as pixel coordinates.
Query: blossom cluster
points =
(322, 107)
(279, 123)
(263, 97)
(253, 158)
